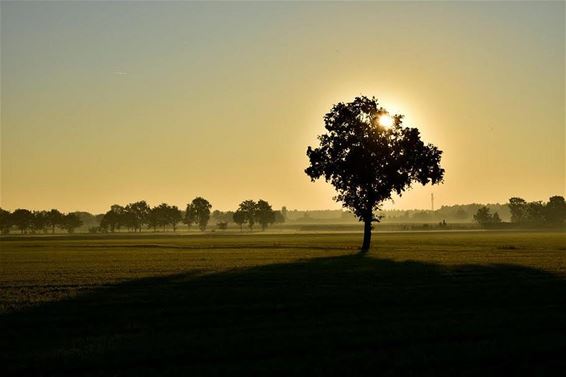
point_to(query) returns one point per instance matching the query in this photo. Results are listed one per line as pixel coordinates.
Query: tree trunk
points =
(367, 236)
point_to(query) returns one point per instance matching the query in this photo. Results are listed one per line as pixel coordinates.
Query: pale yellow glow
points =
(141, 102)
(385, 120)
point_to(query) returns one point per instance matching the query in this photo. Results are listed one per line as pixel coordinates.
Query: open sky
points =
(105, 103)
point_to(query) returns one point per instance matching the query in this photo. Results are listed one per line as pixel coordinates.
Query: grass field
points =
(453, 303)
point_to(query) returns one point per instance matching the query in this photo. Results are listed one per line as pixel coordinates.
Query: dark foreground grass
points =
(417, 304)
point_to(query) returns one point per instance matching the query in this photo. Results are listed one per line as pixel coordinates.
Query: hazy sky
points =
(111, 103)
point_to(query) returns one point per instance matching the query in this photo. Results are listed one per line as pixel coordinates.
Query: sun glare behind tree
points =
(368, 164)
(386, 120)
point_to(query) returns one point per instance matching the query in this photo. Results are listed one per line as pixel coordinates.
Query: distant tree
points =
(518, 208)
(247, 208)
(173, 217)
(71, 221)
(154, 218)
(113, 219)
(264, 214)
(239, 218)
(137, 214)
(485, 219)
(483, 216)
(164, 215)
(54, 219)
(555, 211)
(5, 221)
(190, 216)
(200, 212)
(367, 161)
(535, 213)
(39, 221)
(22, 219)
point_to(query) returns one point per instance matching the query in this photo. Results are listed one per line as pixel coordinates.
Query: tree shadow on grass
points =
(348, 315)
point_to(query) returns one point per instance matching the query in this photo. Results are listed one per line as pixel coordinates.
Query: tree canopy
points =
(367, 162)
(198, 211)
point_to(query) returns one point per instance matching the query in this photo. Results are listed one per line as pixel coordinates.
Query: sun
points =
(385, 120)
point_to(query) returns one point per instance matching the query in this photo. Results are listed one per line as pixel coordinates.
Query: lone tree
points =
(368, 156)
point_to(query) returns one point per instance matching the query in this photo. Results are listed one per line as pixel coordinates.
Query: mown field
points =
(430, 303)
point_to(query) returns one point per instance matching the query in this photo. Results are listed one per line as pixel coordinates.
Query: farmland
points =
(426, 303)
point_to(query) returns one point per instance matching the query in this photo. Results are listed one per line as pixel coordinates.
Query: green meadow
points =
(418, 303)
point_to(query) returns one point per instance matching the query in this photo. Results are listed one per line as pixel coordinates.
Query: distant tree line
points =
(551, 213)
(134, 217)
(527, 214)
(34, 222)
(139, 215)
(458, 213)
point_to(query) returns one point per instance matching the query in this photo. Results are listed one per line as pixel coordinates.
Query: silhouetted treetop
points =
(366, 161)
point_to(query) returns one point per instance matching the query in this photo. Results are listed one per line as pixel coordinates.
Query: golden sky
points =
(107, 103)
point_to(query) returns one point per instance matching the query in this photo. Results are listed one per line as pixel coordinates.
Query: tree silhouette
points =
(518, 208)
(198, 212)
(485, 219)
(190, 216)
(154, 218)
(239, 218)
(54, 218)
(5, 221)
(555, 211)
(173, 216)
(264, 214)
(113, 219)
(39, 221)
(535, 213)
(22, 219)
(248, 208)
(71, 221)
(137, 214)
(367, 162)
